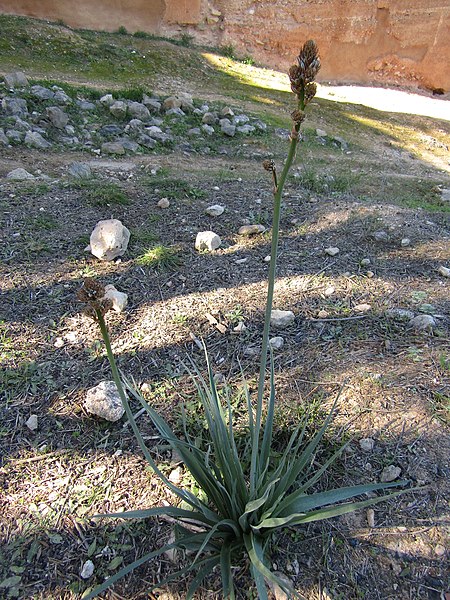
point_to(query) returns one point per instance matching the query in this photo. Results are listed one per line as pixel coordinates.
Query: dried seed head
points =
(298, 116)
(307, 68)
(310, 92)
(269, 165)
(92, 294)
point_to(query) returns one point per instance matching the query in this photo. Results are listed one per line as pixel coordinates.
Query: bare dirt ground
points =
(396, 378)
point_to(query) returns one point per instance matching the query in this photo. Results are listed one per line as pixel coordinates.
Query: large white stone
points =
(207, 240)
(281, 318)
(119, 299)
(19, 174)
(104, 401)
(109, 239)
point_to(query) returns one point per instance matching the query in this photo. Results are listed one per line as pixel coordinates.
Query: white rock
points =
(371, 518)
(240, 327)
(390, 473)
(207, 240)
(19, 174)
(367, 444)
(439, 550)
(331, 251)
(176, 475)
(267, 258)
(215, 210)
(362, 308)
(109, 239)
(444, 271)
(276, 342)
(32, 422)
(365, 262)
(35, 140)
(87, 570)
(380, 236)
(164, 203)
(104, 401)
(281, 318)
(16, 79)
(405, 242)
(119, 299)
(422, 323)
(118, 109)
(107, 100)
(329, 291)
(251, 229)
(321, 133)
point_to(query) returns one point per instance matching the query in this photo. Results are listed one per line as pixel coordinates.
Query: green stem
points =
(270, 291)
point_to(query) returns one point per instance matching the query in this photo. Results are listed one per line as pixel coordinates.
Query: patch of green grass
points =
(43, 222)
(26, 378)
(175, 188)
(160, 258)
(101, 193)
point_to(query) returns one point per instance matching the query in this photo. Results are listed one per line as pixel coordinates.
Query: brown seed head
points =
(92, 294)
(307, 68)
(269, 165)
(310, 92)
(298, 116)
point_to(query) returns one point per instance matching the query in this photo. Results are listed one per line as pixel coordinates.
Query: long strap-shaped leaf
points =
(225, 569)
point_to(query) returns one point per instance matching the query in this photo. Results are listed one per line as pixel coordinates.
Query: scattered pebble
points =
(281, 318)
(176, 475)
(87, 570)
(380, 236)
(405, 242)
(329, 291)
(367, 444)
(323, 314)
(164, 203)
(276, 342)
(331, 251)
(371, 518)
(267, 258)
(390, 473)
(362, 308)
(444, 271)
(365, 262)
(439, 550)
(207, 240)
(32, 422)
(215, 210)
(240, 327)
(422, 323)
(119, 299)
(19, 174)
(104, 401)
(249, 230)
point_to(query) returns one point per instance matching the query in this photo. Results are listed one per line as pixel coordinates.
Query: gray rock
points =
(147, 141)
(15, 106)
(260, 125)
(187, 101)
(86, 105)
(32, 422)
(227, 112)
(130, 145)
(113, 148)
(390, 473)
(246, 129)
(107, 100)
(175, 112)
(15, 136)
(17, 79)
(156, 133)
(215, 210)
(22, 125)
(104, 401)
(87, 570)
(152, 104)
(405, 242)
(365, 262)
(321, 133)
(281, 318)
(240, 120)
(422, 323)
(249, 230)
(138, 111)
(118, 109)
(41, 93)
(62, 98)
(109, 239)
(57, 117)
(445, 195)
(19, 175)
(444, 271)
(208, 129)
(380, 236)
(110, 130)
(276, 342)
(209, 118)
(195, 131)
(340, 142)
(229, 130)
(367, 444)
(3, 139)
(400, 314)
(79, 170)
(207, 240)
(331, 251)
(135, 125)
(35, 140)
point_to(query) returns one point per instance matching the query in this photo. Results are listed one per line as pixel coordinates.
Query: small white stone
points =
(58, 343)
(422, 323)
(439, 550)
(276, 342)
(240, 327)
(323, 314)
(365, 262)
(367, 444)
(207, 240)
(321, 133)
(87, 570)
(119, 299)
(371, 518)
(176, 476)
(331, 251)
(390, 473)
(405, 242)
(267, 258)
(249, 230)
(215, 210)
(329, 291)
(281, 318)
(109, 239)
(164, 203)
(32, 422)
(444, 271)
(362, 308)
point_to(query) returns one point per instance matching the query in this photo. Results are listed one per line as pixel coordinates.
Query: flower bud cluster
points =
(302, 74)
(92, 293)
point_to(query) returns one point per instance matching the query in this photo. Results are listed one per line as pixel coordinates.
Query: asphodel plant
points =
(249, 492)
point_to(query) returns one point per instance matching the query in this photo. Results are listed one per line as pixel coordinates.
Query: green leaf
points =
(10, 582)
(92, 547)
(225, 569)
(116, 561)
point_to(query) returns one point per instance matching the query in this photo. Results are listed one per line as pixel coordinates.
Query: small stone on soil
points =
(281, 318)
(390, 473)
(32, 422)
(367, 444)
(331, 251)
(87, 570)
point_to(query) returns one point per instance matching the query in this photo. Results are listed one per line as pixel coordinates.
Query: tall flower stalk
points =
(249, 493)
